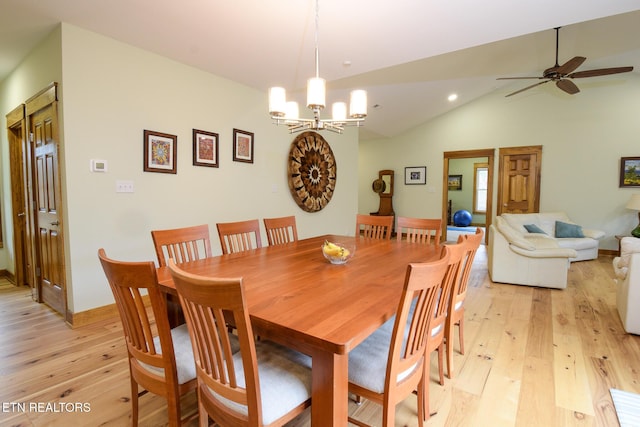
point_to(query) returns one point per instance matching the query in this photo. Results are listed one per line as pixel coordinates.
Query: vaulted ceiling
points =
(408, 54)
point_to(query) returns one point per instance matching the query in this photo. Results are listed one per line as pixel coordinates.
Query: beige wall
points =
(583, 137)
(41, 67)
(111, 93)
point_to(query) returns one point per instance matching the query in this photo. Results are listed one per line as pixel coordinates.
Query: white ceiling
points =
(408, 54)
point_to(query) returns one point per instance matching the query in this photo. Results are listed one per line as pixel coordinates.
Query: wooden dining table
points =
(299, 299)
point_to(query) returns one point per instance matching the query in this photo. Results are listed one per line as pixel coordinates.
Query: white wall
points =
(41, 67)
(111, 92)
(583, 137)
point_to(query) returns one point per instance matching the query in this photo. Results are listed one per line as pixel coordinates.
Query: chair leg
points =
(134, 403)
(173, 410)
(449, 343)
(423, 413)
(461, 334)
(441, 363)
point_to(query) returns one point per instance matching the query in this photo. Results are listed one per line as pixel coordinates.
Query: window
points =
(480, 178)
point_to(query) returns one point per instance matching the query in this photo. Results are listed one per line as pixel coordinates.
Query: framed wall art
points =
(242, 146)
(454, 183)
(630, 172)
(205, 148)
(415, 175)
(160, 150)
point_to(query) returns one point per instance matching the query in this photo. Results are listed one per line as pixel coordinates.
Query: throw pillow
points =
(532, 228)
(568, 230)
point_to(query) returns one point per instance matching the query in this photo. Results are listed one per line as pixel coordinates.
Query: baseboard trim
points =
(98, 314)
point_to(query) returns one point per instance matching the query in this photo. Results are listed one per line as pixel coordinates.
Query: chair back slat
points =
(420, 230)
(374, 226)
(281, 230)
(239, 236)
(182, 244)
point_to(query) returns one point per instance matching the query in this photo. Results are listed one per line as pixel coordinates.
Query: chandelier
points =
(286, 112)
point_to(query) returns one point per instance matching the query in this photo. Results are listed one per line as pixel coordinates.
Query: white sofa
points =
(627, 269)
(521, 257)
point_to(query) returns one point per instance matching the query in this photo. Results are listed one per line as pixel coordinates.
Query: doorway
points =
(465, 178)
(36, 194)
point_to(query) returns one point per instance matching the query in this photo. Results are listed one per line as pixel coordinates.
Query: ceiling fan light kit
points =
(562, 73)
(286, 112)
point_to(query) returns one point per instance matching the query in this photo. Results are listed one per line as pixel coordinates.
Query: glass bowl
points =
(337, 252)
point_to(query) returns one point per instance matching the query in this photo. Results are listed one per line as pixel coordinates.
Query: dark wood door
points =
(519, 180)
(49, 245)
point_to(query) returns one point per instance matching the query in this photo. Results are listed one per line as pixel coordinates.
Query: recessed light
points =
(452, 97)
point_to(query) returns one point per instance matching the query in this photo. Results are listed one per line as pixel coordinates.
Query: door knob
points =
(21, 214)
(55, 223)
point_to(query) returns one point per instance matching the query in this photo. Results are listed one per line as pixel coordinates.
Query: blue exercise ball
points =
(462, 218)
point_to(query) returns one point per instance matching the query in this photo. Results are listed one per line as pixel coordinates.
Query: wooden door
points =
(49, 242)
(519, 179)
(22, 233)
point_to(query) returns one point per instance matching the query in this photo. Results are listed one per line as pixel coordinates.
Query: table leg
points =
(330, 390)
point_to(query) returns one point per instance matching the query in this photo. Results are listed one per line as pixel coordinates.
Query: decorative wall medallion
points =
(312, 171)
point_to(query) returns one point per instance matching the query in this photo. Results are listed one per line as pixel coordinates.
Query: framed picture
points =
(415, 175)
(630, 172)
(454, 182)
(160, 150)
(205, 148)
(242, 146)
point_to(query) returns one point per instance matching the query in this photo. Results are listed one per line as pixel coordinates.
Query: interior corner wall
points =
(39, 69)
(583, 138)
(110, 93)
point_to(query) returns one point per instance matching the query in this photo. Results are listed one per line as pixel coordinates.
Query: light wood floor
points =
(535, 357)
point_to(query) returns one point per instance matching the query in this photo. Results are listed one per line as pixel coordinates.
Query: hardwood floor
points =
(534, 357)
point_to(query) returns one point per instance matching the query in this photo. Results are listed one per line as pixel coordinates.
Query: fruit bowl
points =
(338, 253)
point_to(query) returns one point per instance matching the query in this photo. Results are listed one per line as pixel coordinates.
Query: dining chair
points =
(436, 334)
(455, 316)
(374, 226)
(160, 359)
(239, 236)
(182, 244)
(281, 230)
(390, 364)
(260, 385)
(421, 230)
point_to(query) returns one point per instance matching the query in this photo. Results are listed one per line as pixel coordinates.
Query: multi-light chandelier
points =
(286, 112)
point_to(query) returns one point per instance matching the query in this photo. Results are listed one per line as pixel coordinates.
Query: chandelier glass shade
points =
(285, 112)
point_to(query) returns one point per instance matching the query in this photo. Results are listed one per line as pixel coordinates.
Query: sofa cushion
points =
(564, 229)
(577, 243)
(532, 228)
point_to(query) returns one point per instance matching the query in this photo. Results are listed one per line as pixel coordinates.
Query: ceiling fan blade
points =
(518, 78)
(600, 72)
(527, 88)
(568, 86)
(571, 65)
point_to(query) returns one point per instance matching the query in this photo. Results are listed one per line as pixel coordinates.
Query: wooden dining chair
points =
(455, 316)
(239, 236)
(374, 226)
(182, 244)
(260, 385)
(160, 359)
(436, 335)
(281, 230)
(421, 230)
(390, 364)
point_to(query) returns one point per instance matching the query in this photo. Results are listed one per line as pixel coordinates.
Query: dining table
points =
(297, 298)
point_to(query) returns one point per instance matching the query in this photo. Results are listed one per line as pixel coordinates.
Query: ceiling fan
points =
(562, 73)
